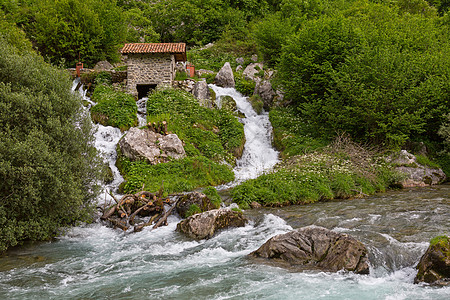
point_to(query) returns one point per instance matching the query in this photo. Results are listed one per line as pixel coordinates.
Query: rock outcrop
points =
(199, 199)
(434, 266)
(316, 247)
(252, 71)
(103, 66)
(144, 144)
(415, 173)
(201, 92)
(225, 77)
(265, 91)
(205, 225)
(227, 103)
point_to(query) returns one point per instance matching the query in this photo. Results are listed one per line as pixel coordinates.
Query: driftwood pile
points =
(129, 211)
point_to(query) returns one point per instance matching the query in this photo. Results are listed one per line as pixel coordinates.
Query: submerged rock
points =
(205, 225)
(144, 144)
(225, 77)
(434, 266)
(200, 200)
(318, 248)
(415, 173)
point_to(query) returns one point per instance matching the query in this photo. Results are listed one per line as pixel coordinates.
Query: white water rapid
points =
(259, 155)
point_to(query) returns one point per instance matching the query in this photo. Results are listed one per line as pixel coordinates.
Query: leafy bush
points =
(48, 163)
(256, 103)
(244, 86)
(114, 108)
(369, 72)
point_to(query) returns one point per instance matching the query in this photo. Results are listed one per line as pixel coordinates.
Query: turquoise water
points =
(96, 262)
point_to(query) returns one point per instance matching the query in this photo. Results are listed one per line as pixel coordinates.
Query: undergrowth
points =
(114, 108)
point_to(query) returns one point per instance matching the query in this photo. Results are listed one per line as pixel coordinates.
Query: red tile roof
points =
(154, 48)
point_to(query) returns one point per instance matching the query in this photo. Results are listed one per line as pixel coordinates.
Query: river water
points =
(97, 262)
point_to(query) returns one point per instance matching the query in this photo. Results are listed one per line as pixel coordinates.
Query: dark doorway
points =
(143, 89)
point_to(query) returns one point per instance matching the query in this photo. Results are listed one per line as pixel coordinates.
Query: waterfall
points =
(259, 156)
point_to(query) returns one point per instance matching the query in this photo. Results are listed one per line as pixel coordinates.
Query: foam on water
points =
(259, 155)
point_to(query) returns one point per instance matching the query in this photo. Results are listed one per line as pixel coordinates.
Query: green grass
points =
(426, 161)
(177, 176)
(114, 108)
(212, 194)
(313, 177)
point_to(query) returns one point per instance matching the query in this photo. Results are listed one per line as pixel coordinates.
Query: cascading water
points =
(97, 262)
(259, 155)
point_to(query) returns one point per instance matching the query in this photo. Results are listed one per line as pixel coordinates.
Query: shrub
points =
(114, 108)
(244, 86)
(48, 164)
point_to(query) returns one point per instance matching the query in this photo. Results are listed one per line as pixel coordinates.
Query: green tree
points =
(48, 170)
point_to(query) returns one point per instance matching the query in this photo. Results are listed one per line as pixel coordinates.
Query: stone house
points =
(151, 64)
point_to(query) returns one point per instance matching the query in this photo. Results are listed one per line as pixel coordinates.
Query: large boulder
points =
(144, 144)
(265, 91)
(415, 173)
(200, 200)
(225, 77)
(205, 225)
(227, 103)
(316, 247)
(434, 266)
(201, 92)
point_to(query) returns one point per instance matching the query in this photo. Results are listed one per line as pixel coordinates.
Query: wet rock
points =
(255, 204)
(205, 225)
(200, 200)
(225, 77)
(415, 173)
(434, 266)
(317, 248)
(144, 144)
(201, 92)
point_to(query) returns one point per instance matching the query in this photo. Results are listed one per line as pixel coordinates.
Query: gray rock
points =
(434, 266)
(251, 71)
(201, 92)
(202, 72)
(103, 66)
(415, 173)
(238, 68)
(205, 225)
(144, 144)
(254, 57)
(225, 77)
(265, 91)
(240, 60)
(316, 247)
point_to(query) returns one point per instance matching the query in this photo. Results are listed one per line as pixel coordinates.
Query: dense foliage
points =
(113, 108)
(48, 162)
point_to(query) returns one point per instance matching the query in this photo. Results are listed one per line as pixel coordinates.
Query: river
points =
(97, 262)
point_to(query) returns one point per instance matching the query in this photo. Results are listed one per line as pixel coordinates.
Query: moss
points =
(441, 240)
(193, 209)
(212, 194)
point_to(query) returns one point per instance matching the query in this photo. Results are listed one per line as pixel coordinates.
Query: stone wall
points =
(149, 69)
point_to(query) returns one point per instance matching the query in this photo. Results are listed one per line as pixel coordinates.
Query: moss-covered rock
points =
(434, 266)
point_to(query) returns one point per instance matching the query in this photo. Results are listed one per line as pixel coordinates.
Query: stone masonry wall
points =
(149, 69)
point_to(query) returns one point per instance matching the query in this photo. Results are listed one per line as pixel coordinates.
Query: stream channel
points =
(97, 262)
